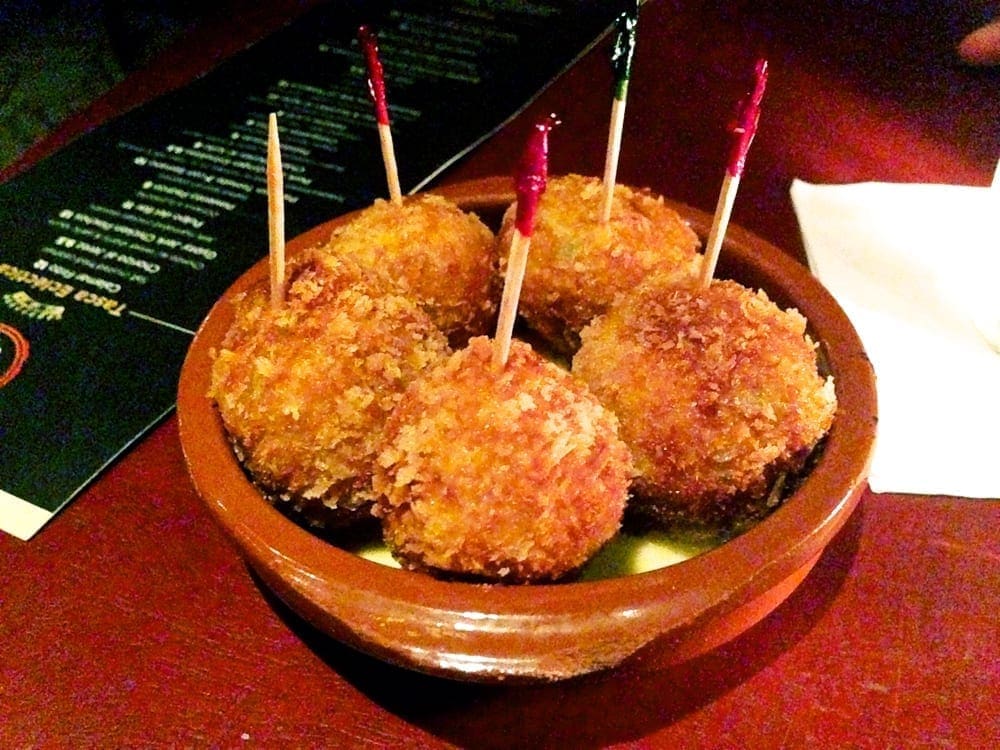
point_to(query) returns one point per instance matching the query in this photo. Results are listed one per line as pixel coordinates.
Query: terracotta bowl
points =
(490, 633)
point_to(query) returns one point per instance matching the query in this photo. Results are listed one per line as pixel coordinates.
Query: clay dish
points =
(497, 633)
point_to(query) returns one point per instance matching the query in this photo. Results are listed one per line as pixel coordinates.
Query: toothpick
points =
(275, 214)
(744, 130)
(621, 62)
(376, 89)
(530, 184)
(611, 158)
(720, 221)
(389, 157)
(517, 263)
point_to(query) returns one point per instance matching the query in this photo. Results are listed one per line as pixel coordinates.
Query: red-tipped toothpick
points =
(529, 185)
(376, 88)
(275, 214)
(621, 63)
(744, 131)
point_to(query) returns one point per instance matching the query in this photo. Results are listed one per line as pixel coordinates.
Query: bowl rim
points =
(543, 631)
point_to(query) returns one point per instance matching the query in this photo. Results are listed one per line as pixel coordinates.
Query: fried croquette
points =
(441, 256)
(717, 392)
(511, 473)
(578, 265)
(304, 391)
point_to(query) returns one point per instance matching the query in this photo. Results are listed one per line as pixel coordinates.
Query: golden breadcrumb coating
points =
(304, 392)
(434, 252)
(577, 265)
(512, 474)
(717, 392)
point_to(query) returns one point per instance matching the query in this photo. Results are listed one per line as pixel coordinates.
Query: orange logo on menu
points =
(13, 353)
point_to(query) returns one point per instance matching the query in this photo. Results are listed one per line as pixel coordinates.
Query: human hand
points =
(982, 46)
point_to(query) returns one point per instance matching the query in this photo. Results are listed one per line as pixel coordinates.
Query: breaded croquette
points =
(441, 256)
(511, 473)
(578, 265)
(717, 392)
(304, 391)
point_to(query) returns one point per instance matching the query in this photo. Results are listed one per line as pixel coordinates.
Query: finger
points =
(982, 46)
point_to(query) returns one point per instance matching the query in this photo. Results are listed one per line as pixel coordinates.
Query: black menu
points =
(115, 248)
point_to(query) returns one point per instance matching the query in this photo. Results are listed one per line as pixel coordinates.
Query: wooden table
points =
(130, 621)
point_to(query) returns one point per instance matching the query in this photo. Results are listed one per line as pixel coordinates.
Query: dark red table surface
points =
(130, 620)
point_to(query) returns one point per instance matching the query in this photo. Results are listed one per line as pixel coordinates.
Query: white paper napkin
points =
(917, 270)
